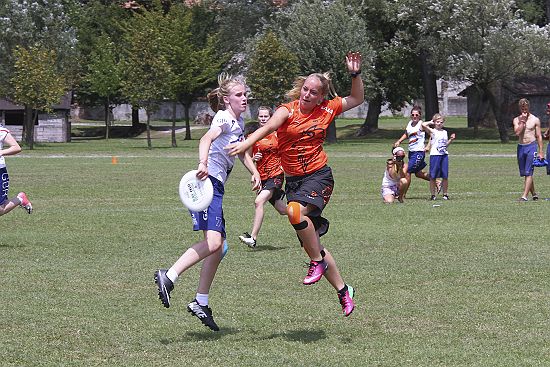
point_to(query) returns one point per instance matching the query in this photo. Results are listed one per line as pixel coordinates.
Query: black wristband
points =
(355, 73)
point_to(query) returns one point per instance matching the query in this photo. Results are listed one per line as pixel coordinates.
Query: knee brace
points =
(293, 212)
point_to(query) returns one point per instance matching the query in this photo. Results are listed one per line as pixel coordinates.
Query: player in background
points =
(229, 101)
(527, 129)
(394, 182)
(265, 153)
(6, 204)
(416, 135)
(301, 127)
(439, 156)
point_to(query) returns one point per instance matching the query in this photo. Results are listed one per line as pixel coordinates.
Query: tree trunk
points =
(331, 133)
(429, 82)
(28, 127)
(493, 92)
(149, 145)
(547, 11)
(186, 107)
(371, 121)
(174, 106)
(106, 108)
(135, 117)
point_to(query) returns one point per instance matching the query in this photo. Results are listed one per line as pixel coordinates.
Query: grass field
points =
(462, 284)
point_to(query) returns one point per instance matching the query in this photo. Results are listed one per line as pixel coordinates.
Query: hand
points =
(202, 173)
(396, 144)
(235, 148)
(453, 136)
(257, 157)
(353, 61)
(546, 134)
(256, 182)
(541, 155)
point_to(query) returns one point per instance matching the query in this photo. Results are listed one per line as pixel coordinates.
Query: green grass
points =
(463, 284)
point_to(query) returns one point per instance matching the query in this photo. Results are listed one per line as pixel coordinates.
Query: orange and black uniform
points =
(301, 138)
(269, 166)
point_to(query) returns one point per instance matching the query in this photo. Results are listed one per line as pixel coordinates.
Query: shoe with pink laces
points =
(25, 202)
(315, 272)
(346, 300)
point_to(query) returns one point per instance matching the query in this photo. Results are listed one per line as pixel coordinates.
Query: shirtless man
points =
(546, 136)
(527, 129)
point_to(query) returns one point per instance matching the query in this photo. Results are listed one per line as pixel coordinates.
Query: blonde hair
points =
(523, 102)
(326, 85)
(225, 83)
(265, 108)
(438, 116)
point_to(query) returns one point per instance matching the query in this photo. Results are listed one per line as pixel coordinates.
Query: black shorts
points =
(315, 188)
(275, 184)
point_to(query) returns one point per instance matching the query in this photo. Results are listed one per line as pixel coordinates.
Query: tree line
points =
(142, 52)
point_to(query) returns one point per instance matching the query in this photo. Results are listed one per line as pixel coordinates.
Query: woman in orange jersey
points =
(301, 130)
(265, 153)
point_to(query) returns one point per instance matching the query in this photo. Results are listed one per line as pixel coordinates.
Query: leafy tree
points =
(147, 72)
(272, 70)
(37, 85)
(194, 61)
(104, 76)
(484, 42)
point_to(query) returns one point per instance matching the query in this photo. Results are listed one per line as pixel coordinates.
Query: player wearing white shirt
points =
(439, 156)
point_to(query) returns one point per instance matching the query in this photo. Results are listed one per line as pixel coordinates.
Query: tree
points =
(104, 76)
(194, 59)
(147, 73)
(484, 42)
(318, 33)
(272, 70)
(37, 85)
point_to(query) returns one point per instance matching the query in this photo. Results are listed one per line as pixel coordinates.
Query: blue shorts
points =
(211, 219)
(439, 166)
(548, 159)
(4, 185)
(525, 154)
(416, 162)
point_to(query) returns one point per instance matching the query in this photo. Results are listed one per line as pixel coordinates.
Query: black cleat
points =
(204, 313)
(165, 286)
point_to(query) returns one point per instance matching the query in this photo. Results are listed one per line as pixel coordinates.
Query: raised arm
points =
(13, 148)
(357, 94)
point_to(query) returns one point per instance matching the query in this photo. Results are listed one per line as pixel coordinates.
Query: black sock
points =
(343, 290)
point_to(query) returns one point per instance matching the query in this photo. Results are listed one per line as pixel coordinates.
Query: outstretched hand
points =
(353, 61)
(235, 148)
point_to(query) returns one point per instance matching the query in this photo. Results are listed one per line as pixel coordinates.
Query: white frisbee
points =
(195, 194)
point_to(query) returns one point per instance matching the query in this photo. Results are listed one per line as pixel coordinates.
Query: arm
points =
(251, 167)
(204, 146)
(357, 94)
(275, 121)
(538, 136)
(519, 124)
(13, 148)
(426, 126)
(451, 138)
(400, 140)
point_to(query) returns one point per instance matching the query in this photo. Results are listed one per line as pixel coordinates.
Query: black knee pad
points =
(301, 225)
(321, 224)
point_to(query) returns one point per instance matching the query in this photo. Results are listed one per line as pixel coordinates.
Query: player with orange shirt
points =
(301, 129)
(265, 153)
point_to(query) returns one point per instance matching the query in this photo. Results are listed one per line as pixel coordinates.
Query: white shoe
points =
(247, 239)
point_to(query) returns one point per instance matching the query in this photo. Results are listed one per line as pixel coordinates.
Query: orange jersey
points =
(301, 137)
(270, 164)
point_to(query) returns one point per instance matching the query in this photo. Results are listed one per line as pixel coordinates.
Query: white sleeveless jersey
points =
(220, 163)
(416, 137)
(3, 133)
(388, 181)
(439, 142)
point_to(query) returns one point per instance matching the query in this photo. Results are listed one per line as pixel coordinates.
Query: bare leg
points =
(528, 183)
(404, 187)
(333, 274)
(259, 203)
(8, 206)
(212, 243)
(423, 175)
(445, 186)
(433, 187)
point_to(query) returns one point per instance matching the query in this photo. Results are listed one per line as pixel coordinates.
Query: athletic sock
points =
(172, 275)
(202, 299)
(343, 290)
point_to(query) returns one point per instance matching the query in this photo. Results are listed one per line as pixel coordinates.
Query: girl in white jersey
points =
(439, 156)
(229, 101)
(7, 205)
(394, 182)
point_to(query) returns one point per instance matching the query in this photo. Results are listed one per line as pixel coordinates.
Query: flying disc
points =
(195, 194)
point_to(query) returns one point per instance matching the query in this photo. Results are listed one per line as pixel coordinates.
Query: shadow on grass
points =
(268, 248)
(303, 336)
